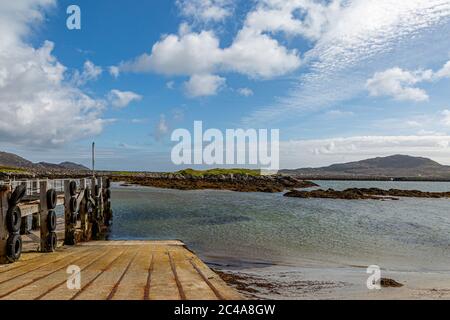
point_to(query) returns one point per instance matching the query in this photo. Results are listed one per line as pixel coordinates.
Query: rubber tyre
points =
(14, 247)
(73, 204)
(108, 194)
(51, 199)
(73, 188)
(108, 183)
(13, 219)
(52, 242)
(73, 218)
(51, 221)
(17, 195)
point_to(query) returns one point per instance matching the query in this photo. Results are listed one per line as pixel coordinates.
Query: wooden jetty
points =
(86, 268)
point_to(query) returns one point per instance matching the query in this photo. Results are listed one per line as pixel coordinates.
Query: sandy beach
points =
(334, 283)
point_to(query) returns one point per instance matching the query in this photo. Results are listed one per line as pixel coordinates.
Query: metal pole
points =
(93, 159)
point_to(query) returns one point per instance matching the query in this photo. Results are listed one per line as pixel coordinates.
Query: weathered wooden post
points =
(70, 212)
(47, 205)
(35, 222)
(107, 201)
(84, 209)
(97, 221)
(24, 223)
(99, 199)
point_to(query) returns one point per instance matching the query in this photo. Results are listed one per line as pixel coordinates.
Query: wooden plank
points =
(136, 282)
(60, 290)
(163, 285)
(133, 243)
(143, 270)
(193, 285)
(23, 280)
(22, 267)
(40, 288)
(226, 292)
(103, 286)
(33, 208)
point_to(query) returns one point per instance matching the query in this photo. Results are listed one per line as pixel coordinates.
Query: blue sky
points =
(343, 80)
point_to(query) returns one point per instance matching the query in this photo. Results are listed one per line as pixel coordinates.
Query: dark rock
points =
(233, 182)
(363, 193)
(389, 283)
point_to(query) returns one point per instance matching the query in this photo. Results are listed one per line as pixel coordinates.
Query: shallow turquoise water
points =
(237, 229)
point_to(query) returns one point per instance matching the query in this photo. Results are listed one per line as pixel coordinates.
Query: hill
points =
(396, 166)
(13, 163)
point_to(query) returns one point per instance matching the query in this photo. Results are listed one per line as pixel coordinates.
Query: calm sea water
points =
(242, 229)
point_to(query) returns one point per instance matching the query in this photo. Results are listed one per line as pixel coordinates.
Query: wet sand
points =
(334, 283)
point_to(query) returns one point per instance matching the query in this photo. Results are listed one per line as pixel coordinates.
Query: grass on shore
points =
(196, 173)
(216, 172)
(124, 173)
(12, 170)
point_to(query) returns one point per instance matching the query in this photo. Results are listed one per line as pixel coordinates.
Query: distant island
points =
(396, 167)
(12, 165)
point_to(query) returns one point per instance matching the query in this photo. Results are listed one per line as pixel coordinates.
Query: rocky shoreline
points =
(231, 182)
(366, 194)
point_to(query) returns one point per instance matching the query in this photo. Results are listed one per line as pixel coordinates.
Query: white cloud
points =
(259, 56)
(252, 53)
(204, 85)
(363, 37)
(170, 85)
(206, 10)
(162, 128)
(246, 92)
(38, 105)
(322, 152)
(336, 113)
(90, 72)
(446, 117)
(121, 99)
(444, 72)
(114, 71)
(139, 120)
(306, 18)
(399, 84)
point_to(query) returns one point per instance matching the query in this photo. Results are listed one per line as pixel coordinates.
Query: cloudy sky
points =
(342, 79)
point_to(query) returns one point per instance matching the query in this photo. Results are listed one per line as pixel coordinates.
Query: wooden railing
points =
(87, 212)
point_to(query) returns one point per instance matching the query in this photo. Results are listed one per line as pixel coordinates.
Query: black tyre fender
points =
(14, 247)
(52, 242)
(108, 183)
(87, 193)
(73, 206)
(17, 195)
(51, 221)
(108, 194)
(51, 199)
(73, 218)
(13, 219)
(72, 188)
